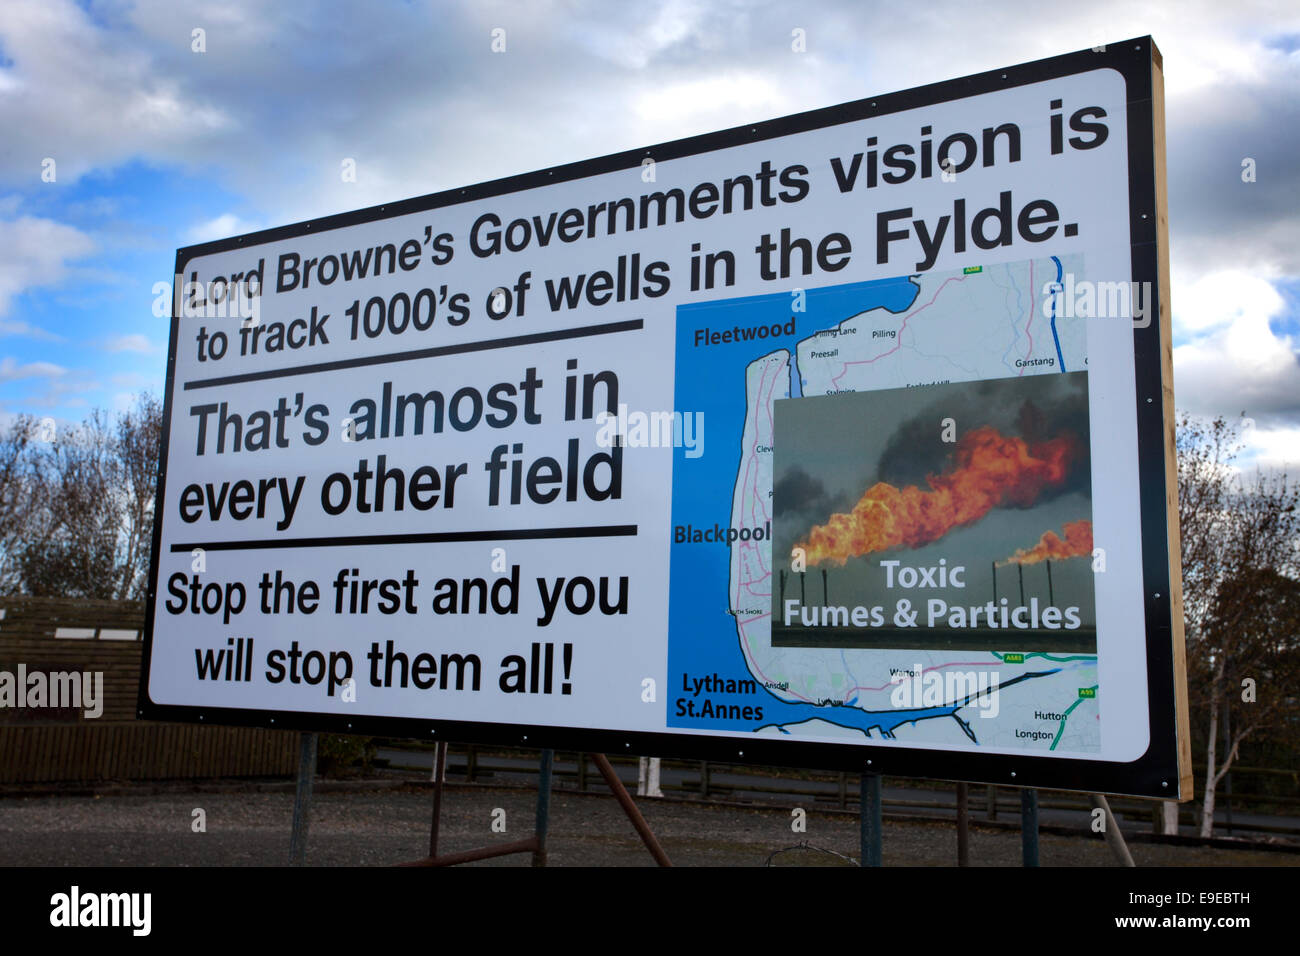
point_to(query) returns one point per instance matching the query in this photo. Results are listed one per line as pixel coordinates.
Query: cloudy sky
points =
(157, 146)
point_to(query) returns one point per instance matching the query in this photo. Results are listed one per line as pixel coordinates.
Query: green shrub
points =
(339, 755)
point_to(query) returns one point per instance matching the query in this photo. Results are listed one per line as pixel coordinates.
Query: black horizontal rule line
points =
(429, 537)
(512, 341)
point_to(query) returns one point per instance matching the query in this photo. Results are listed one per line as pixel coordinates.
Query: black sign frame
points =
(1163, 771)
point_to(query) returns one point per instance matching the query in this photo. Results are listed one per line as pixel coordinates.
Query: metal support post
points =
(543, 806)
(1029, 827)
(302, 799)
(963, 825)
(869, 819)
(1114, 835)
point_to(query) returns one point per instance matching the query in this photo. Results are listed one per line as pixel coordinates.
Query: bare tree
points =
(1241, 594)
(70, 544)
(77, 512)
(136, 448)
(20, 492)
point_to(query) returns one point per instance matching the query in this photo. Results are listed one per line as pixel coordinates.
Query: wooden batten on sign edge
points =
(1181, 717)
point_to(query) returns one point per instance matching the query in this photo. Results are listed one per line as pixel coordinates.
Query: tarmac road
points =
(737, 784)
(379, 823)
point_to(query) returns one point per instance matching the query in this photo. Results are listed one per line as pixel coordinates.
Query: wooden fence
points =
(63, 744)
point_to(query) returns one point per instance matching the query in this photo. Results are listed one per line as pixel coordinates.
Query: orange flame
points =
(990, 469)
(1077, 544)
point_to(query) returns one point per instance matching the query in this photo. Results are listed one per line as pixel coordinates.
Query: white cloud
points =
(730, 95)
(1222, 298)
(11, 371)
(65, 388)
(283, 95)
(1235, 361)
(1275, 449)
(674, 24)
(124, 402)
(30, 331)
(88, 96)
(222, 227)
(37, 253)
(137, 381)
(130, 343)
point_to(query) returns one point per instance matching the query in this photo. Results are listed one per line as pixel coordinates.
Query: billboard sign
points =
(839, 440)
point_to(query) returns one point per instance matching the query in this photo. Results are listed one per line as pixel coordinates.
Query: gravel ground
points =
(370, 827)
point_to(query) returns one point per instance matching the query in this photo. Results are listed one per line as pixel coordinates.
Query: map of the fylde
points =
(996, 322)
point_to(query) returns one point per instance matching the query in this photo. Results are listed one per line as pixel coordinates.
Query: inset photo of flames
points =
(967, 505)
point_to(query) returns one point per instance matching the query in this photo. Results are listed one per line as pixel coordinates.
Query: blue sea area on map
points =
(703, 641)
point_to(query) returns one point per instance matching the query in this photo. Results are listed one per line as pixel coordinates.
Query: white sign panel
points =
(811, 442)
